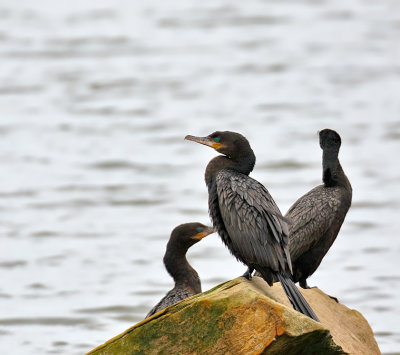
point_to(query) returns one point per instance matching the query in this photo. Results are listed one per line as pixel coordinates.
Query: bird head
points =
(188, 234)
(329, 138)
(229, 143)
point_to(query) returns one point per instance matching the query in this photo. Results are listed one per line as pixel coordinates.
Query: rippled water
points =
(95, 99)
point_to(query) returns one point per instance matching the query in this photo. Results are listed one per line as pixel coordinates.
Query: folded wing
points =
(256, 227)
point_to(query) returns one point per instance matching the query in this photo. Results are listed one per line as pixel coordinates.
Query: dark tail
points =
(295, 297)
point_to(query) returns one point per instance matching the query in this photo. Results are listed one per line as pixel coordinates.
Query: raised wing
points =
(256, 227)
(311, 216)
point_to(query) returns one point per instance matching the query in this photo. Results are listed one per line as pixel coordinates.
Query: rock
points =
(247, 317)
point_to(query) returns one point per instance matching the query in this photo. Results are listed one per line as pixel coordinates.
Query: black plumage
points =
(246, 216)
(318, 215)
(187, 281)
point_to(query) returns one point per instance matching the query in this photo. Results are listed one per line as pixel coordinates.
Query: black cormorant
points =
(246, 216)
(187, 281)
(318, 215)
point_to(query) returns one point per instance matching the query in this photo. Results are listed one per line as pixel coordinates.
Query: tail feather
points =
(295, 297)
(292, 292)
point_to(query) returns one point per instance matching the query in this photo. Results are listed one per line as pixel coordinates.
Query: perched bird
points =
(187, 281)
(318, 215)
(246, 216)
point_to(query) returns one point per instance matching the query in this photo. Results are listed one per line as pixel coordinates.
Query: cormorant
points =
(187, 281)
(318, 215)
(246, 216)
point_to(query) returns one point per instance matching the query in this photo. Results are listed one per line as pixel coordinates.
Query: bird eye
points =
(199, 230)
(217, 139)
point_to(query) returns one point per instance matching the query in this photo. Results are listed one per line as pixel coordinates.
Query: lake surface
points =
(95, 100)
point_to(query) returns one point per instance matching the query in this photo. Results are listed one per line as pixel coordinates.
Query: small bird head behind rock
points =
(190, 233)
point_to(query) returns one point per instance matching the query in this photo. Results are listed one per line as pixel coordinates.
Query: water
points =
(95, 99)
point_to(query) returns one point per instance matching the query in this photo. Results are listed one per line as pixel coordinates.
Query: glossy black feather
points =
(178, 293)
(244, 213)
(318, 215)
(317, 218)
(296, 298)
(311, 216)
(255, 233)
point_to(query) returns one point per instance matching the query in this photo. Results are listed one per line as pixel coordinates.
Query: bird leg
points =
(303, 284)
(248, 273)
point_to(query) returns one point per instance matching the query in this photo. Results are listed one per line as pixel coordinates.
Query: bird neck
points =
(333, 174)
(179, 268)
(243, 163)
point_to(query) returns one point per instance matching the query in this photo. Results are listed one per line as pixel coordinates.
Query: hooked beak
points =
(204, 233)
(204, 140)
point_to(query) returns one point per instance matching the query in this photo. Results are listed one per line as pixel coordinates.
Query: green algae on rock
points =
(242, 317)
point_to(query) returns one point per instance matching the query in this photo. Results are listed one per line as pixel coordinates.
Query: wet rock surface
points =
(242, 317)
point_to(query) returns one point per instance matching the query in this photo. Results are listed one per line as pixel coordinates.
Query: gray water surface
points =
(95, 100)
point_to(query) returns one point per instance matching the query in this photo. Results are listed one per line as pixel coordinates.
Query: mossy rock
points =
(242, 317)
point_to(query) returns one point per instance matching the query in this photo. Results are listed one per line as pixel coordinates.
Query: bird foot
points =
(248, 273)
(303, 284)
